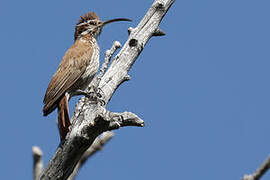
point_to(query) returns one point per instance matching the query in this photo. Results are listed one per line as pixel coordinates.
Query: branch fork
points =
(91, 118)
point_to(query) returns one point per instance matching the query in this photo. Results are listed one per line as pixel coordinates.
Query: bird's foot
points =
(79, 92)
(93, 93)
(100, 95)
(90, 93)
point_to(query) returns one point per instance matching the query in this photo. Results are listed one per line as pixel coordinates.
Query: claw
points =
(92, 93)
(101, 102)
(100, 93)
(79, 92)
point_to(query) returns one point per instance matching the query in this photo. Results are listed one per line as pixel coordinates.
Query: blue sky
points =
(203, 89)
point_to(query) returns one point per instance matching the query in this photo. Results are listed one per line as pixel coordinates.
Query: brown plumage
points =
(76, 70)
(71, 68)
(70, 76)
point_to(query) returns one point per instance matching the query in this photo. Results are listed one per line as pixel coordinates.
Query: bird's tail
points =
(63, 117)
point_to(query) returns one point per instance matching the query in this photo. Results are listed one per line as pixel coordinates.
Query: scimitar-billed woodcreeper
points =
(76, 70)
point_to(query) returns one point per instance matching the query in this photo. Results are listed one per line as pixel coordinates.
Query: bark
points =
(95, 147)
(91, 118)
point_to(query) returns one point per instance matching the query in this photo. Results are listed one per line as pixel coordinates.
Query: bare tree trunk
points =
(91, 118)
(93, 149)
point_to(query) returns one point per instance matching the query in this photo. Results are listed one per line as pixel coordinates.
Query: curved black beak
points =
(114, 20)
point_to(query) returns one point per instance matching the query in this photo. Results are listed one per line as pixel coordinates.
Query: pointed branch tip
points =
(159, 32)
(117, 44)
(130, 29)
(37, 151)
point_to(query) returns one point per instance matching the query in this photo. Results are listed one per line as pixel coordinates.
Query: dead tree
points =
(91, 118)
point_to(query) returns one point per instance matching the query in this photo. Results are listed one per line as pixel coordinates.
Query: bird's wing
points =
(71, 68)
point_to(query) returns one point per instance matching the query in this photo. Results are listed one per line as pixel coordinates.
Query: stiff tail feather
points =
(63, 117)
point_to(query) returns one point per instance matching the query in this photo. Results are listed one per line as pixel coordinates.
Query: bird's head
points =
(91, 24)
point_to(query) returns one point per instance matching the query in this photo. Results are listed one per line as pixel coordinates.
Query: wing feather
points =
(71, 68)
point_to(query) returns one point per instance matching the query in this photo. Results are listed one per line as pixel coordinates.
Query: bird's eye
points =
(93, 22)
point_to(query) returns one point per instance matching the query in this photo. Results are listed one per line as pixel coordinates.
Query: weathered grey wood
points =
(91, 118)
(95, 147)
(139, 36)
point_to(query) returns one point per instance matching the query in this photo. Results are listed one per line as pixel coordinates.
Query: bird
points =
(76, 70)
